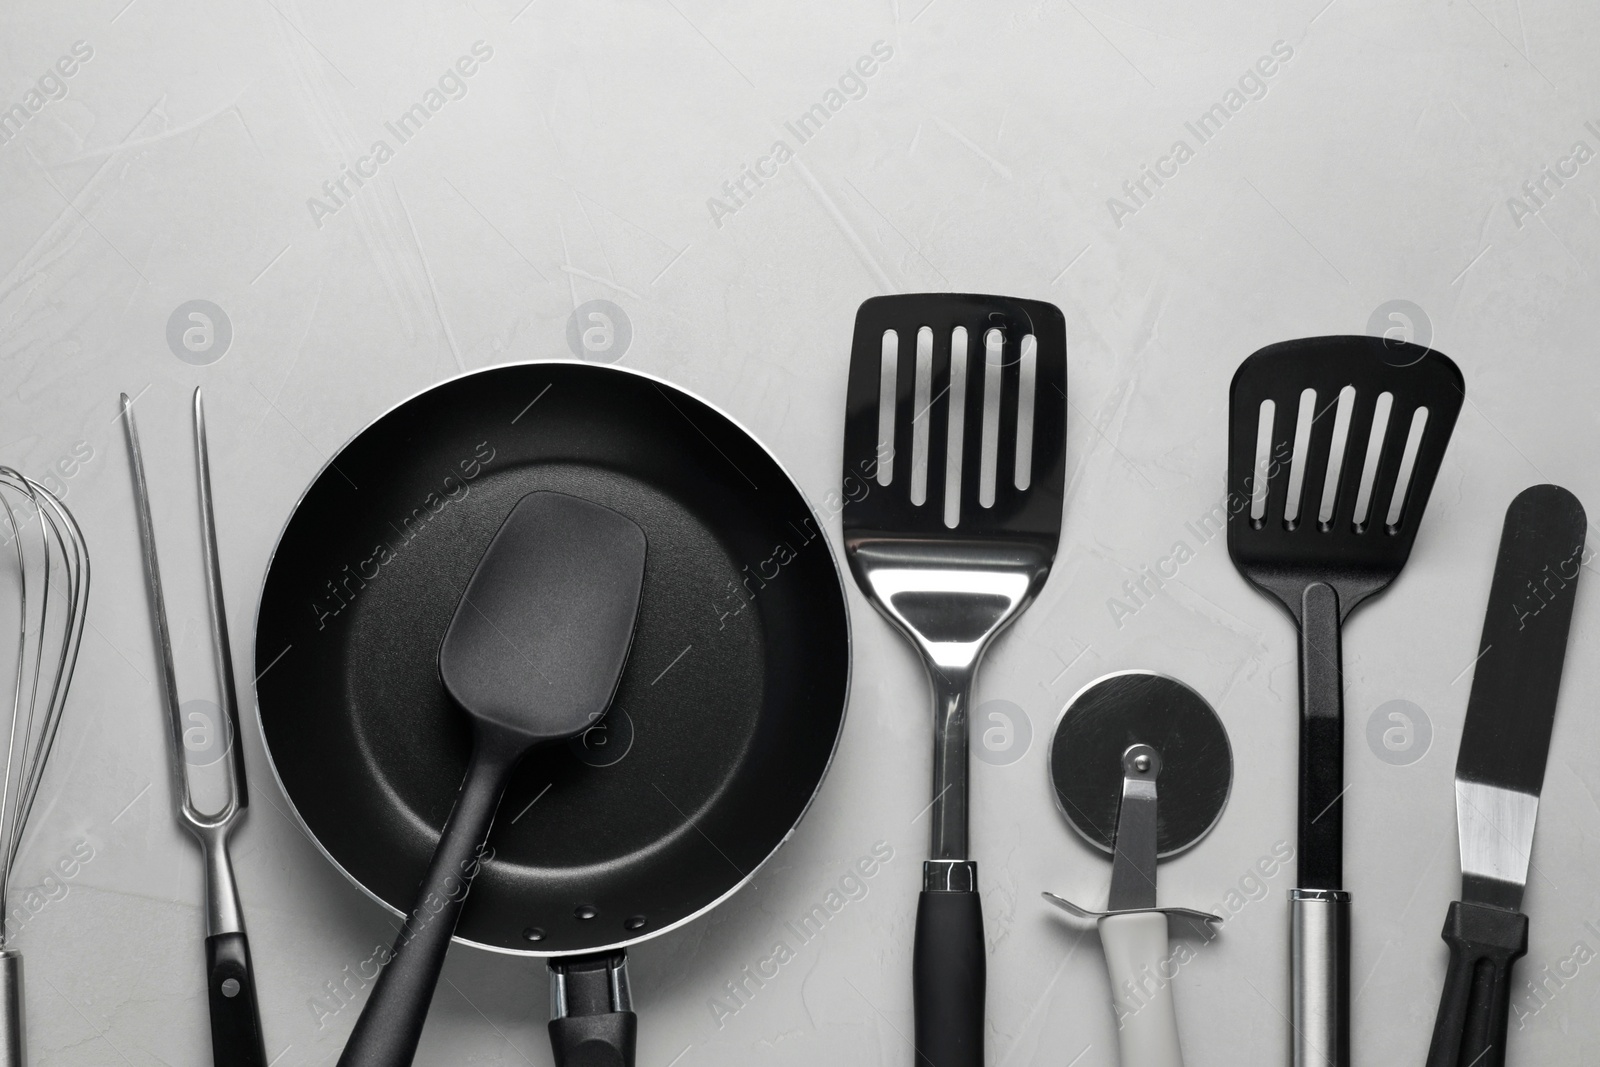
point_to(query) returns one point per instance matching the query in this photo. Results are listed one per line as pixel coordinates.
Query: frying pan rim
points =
(604, 368)
(1049, 769)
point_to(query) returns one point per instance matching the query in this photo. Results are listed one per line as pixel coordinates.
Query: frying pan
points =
(723, 725)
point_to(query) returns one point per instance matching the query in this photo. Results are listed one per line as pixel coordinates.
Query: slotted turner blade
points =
(954, 470)
(1311, 423)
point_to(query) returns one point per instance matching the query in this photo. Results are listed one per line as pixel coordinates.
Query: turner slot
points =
(1302, 456)
(1261, 472)
(1005, 458)
(1283, 427)
(1369, 467)
(1027, 383)
(955, 426)
(886, 404)
(1408, 466)
(922, 396)
(993, 356)
(1339, 446)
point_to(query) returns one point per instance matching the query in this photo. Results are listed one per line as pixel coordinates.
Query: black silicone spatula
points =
(533, 656)
(1500, 768)
(1333, 447)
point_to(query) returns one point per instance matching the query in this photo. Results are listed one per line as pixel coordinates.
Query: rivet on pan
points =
(586, 911)
(635, 922)
(533, 933)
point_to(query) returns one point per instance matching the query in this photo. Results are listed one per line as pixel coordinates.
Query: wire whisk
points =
(44, 571)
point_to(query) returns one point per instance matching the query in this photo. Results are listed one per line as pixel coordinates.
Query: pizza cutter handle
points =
(1141, 970)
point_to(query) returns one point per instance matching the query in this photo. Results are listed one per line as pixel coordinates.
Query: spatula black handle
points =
(390, 1025)
(1475, 1007)
(948, 973)
(1320, 971)
(1321, 819)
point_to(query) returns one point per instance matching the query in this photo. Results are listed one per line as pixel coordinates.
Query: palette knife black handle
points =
(1475, 1007)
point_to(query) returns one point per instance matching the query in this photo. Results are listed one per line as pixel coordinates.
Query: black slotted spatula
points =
(1321, 528)
(954, 468)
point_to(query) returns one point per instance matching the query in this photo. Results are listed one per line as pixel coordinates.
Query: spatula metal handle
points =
(1319, 952)
(390, 1025)
(1475, 1007)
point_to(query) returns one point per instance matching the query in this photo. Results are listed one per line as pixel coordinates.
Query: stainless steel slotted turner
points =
(1333, 447)
(954, 468)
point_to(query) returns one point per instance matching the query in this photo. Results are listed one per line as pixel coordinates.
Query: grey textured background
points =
(1377, 166)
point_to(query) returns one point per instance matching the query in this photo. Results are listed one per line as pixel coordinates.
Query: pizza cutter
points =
(1142, 768)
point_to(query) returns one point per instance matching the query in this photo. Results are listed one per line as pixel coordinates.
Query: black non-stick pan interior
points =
(727, 713)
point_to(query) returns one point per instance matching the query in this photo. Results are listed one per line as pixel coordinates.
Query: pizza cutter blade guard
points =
(1141, 768)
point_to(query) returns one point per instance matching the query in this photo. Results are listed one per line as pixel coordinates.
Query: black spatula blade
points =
(1511, 711)
(1362, 552)
(543, 629)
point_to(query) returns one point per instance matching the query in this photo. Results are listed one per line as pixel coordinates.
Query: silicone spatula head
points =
(540, 637)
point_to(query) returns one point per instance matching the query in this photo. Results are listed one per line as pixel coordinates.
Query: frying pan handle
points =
(390, 1025)
(592, 1023)
(1475, 1007)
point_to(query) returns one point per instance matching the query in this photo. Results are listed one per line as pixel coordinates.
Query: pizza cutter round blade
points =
(1141, 768)
(1128, 708)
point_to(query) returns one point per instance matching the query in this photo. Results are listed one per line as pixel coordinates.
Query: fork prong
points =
(238, 794)
(158, 614)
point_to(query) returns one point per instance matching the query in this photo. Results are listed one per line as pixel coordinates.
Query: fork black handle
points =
(1475, 1007)
(948, 973)
(235, 1017)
